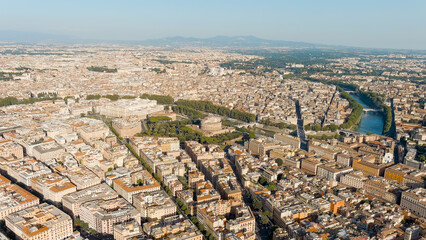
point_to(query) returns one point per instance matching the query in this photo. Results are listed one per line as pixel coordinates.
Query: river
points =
(370, 122)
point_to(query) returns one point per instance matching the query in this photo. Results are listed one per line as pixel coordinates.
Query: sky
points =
(362, 23)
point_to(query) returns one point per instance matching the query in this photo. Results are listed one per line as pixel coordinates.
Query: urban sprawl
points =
(125, 142)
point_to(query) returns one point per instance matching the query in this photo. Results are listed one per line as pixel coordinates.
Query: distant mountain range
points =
(237, 42)
(222, 41)
(219, 41)
(34, 37)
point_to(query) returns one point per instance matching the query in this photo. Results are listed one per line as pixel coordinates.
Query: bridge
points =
(372, 110)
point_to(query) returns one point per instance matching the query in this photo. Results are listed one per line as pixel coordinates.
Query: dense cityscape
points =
(213, 120)
(133, 142)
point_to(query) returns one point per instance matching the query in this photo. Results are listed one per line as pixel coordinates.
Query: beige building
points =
(9, 149)
(165, 113)
(173, 228)
(139, 182)
(14, 198)
(154, 205)
(344, 159)
(261, 146)
(293, 141)
(127, 128)
(310, 166)
(332, 171)
(103, 215)
(127, 230)
(72, 202)
(27, 169)
(355, 179)
(211, 126)
(195, 176)
(322, 148)
(415, 201)
(82, 177)
(369, 167)
(40, 222)
(211, 215)
(383, 190)
(53, 186)
(244, 221)
(48, 150)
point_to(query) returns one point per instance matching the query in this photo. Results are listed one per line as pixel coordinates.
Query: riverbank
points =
(370, 122)
(369, 99)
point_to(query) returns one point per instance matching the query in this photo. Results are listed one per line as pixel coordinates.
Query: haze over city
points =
(378, 24)
(212, 120)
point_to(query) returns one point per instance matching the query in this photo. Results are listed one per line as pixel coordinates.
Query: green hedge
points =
(112, 97)
(102, 69)
(161, 99)
(338, 83)
(155, 119)
(209, 107)
(188, 111)
(7, 101)
(280, 125)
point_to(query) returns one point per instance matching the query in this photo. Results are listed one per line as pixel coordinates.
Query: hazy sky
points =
(364, 23)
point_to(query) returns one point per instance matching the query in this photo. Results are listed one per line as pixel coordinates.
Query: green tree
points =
(271, 187)
(279, 161)
(317, 128)
(139, 182)
(267, 213)
(194, 220)
(263, 181)
(264, 220)
(201, 227)
(257, 205)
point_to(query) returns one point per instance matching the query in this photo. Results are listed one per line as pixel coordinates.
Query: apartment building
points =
(14, 198)
(154, 205)
(40, 222)
(48, 150)
(127, 230)
(139, 182)
(383, 190)
(415, 201)
(27, 169)
(174, 227)
(9, 149)
(82, 177)
(72, 201)
(102, 215)
(53, 186)
(354, 179)
(332, 171)
(322, 148)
